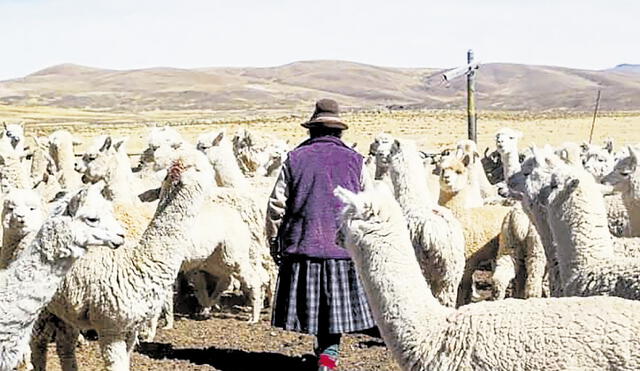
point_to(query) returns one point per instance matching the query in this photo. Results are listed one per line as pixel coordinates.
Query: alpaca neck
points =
(632, 205)
(400, 298)
(579, 226)
(409, 180)
(121, 184)
(228, 173)
(162, 243)
(467, 198)
(510, 163)
(69, 179)
(37, 273)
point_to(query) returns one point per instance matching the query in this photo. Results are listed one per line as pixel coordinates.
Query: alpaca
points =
(481, 223)
(23, 213)
(256, 153)
(436, 234)
(29, 282)
(577, 221)
(625, 179)
(219, 151)
(520, 253)
(117, 292)
(61, 144)
(534, 334)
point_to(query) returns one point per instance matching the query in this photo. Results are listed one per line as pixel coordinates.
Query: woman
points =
(318, 290)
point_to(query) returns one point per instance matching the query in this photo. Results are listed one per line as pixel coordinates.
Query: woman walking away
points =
(318, 290)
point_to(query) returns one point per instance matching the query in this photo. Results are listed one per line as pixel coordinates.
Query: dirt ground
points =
(227, 342)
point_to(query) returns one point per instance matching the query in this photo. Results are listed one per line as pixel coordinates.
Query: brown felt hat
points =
(327, 115)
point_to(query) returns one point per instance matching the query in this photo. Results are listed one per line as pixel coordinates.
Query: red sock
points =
(327, 361)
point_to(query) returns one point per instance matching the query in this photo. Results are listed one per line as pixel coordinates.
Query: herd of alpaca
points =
(556, 222)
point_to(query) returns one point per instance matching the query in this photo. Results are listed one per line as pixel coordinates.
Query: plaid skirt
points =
(320, 295)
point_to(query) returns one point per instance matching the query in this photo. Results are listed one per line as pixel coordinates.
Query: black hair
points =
(322, 131)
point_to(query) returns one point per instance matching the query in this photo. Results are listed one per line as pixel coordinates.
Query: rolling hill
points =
(354, 85)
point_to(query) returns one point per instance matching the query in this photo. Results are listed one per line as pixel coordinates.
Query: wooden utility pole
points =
(595, 114)
(471, 99)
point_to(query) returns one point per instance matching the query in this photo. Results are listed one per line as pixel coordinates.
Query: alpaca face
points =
(624, 177)
(164, 137)
(365, 214)
(23, 211)
(381, 149)
(14, 134)
(507, 140)
(95, 222)
(454, 175)
(599, 161)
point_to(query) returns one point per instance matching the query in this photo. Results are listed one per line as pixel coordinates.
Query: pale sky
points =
(124, 34)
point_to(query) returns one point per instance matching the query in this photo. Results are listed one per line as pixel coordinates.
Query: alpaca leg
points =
(66, 340)
(114, 351)
(536, 262)
(43, 332)
(252, 288)
(131, 340)
(167, 310)
(199, 281)
(466, 285)
(503, 273)
(223, 283)
(148, 330)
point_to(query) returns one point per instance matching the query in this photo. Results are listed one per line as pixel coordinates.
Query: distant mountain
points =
(634, 68)
(354, 85)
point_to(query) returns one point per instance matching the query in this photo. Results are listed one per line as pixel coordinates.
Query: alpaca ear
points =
(106, 145)
(395, 147)
(584, 146)
(218, 139)
(608, 145)
(120, 144)
(572, 184)
(633, 155)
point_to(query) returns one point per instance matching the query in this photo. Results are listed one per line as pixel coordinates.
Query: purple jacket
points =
(310, 223)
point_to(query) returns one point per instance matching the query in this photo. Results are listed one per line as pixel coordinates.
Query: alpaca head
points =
(366, 212)
(161, 137)
(96, 163)
(23, 211)
(61, 143)
(13, 134)
(625, 176)
(570, 153)
(381, 149)
(598, 160)
(94, 222)
(455, 174)
(507, 140)
(211, 139)
(42, 162)
(535, 180)
(184, 167)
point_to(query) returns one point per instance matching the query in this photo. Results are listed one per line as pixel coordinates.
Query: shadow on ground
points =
(228, 359)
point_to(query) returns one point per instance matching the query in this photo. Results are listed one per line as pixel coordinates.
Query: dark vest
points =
(310, 225)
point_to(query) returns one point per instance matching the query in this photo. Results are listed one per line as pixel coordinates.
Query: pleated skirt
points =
(320, 295)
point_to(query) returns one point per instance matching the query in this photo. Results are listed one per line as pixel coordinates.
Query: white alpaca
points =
(117, 292)
(520, 254)
(14, 171)
(23, 213)
(29, 283)
(534, 334)
(61, 144)
(625, 179)
(577, 221)
(257, 153)
(436, 234)
(219, 151)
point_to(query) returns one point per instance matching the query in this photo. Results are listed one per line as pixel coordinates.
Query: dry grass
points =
(430, 128)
